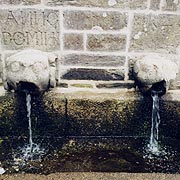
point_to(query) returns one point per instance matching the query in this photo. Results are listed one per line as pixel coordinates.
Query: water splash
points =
(153, 144)
(30, 151)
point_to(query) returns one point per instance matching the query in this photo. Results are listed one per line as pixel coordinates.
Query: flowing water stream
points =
(153, 144)
(28, 105)
(31, 150)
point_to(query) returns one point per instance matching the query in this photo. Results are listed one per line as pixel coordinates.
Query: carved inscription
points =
(30, 28)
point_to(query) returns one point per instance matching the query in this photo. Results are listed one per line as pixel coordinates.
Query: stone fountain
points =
(31, 70)
(154, 75)
(154, 72)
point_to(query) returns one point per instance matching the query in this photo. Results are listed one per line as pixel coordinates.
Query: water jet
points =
(30, 72)
(153, 76)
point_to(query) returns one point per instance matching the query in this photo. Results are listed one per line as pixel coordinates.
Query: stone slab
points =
(106, 42)
(89, 117)
(89, 113)
(93, 74)
(93, 60)
(123, 4)
(155, 4)
(87, 20)
(73, 41)
(29, 28)
(21, 2)
(171, 5)
(122, 85)
(129, 114)
(155, 33)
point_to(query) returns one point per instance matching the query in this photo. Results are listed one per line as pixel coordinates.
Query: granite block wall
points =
(96, 40)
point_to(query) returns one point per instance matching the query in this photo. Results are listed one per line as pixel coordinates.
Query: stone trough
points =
(61, 112)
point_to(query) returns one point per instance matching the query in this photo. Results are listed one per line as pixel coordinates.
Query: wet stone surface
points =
(93, 115)
(92, 155)
(48, 116)
(79, 135)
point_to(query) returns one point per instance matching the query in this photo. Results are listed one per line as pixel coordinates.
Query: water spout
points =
(154, 70)
(33, 70)
(27, 87)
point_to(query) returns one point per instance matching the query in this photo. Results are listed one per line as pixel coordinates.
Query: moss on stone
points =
(86, 114)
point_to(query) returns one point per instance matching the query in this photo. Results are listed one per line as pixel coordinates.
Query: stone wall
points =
(94, 40)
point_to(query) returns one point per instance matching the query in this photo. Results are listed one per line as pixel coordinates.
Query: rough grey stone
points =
(73, 41)
(87, 20)
(171, 5)
(94, 74)
(1, 68)
(131, 62)
(21, 2)
(154, 69)
(88, 115)
(63, 85)
(82, 85)
(106, 42)
(132, 4)
(93, 60)
(174, 58)
(115, 85)
(30, 66)
(155, 4)
(23, 28)
(156, 33)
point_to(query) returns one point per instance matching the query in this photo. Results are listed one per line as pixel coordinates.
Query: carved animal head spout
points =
(30, 70)
(154, 73)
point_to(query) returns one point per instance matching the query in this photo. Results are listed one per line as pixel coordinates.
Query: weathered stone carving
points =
(152, 70)
(30, 28)
(31, 70)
